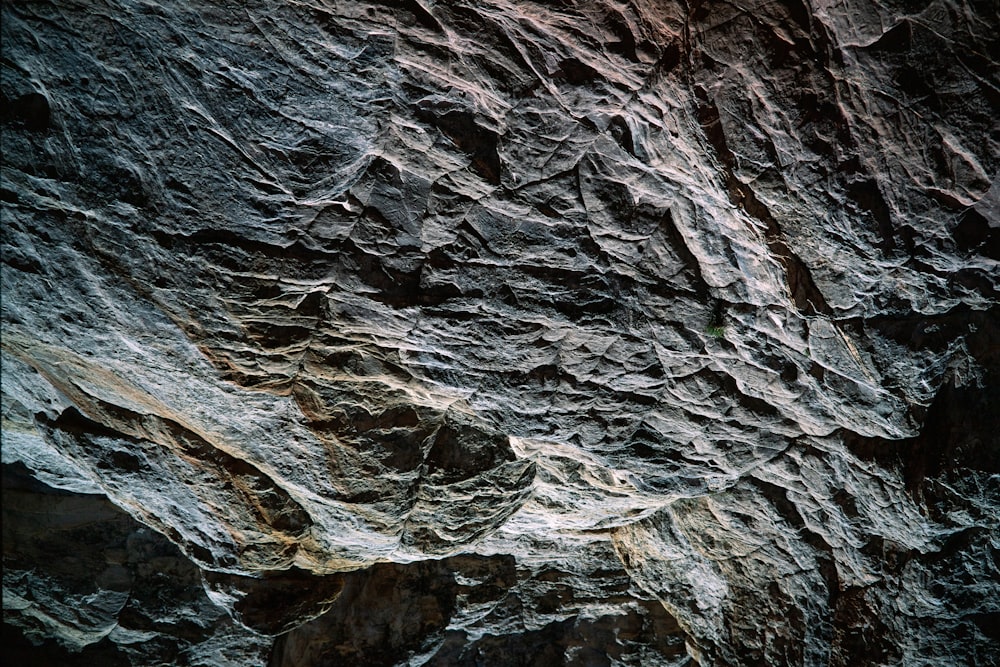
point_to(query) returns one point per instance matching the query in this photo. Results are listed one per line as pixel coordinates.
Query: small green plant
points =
(715, 330)
(716, 327)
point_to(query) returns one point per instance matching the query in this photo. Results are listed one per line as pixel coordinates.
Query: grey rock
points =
(569, 307)
(84, 582)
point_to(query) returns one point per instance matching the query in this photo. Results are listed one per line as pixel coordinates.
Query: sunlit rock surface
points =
(508, 333)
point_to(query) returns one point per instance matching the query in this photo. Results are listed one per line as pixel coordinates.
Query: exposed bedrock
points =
(501, 333)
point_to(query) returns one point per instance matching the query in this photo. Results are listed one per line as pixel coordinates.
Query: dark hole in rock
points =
(575, 72)
(973, 230)
(31, 110)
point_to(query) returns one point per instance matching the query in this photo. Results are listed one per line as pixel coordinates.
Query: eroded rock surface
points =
(503, 333)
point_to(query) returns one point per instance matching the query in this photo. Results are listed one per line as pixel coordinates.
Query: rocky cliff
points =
(582, 332)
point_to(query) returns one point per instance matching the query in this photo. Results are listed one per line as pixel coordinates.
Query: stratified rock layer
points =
(576, 333)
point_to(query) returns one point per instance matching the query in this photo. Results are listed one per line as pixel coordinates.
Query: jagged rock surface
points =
(502, 333)
(81, 574)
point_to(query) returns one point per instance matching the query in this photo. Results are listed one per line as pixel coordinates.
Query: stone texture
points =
(84, 583)
(539, 333)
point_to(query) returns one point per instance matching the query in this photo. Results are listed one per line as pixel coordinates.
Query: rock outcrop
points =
(507, 333)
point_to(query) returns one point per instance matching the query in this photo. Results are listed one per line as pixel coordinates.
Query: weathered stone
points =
(509, 318)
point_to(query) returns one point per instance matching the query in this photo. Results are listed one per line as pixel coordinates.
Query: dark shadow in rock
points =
(622, 134)
(471, 138)
(575, 72)
(960, 432)
(31, 110)
(959, 428)
(276, 602)
(604, 640)
(988, 624)
(18, 650)
(463, 448)
(100, 579)
(390, 613)
(896, 39)
(868, 196)
(384, 613)
(973, 232)
(958, 437)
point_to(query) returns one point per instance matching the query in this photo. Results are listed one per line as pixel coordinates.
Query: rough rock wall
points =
(539, 333)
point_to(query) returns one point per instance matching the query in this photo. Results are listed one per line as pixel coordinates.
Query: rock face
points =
(501, 333)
